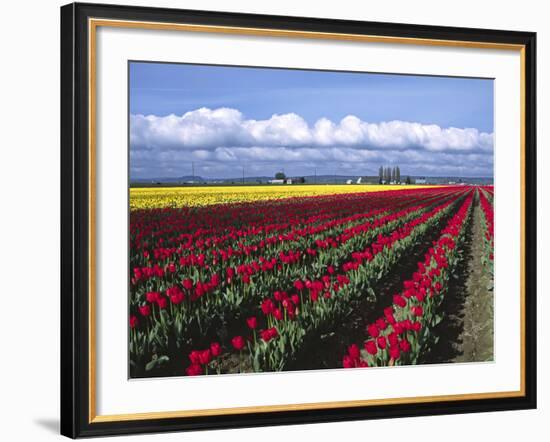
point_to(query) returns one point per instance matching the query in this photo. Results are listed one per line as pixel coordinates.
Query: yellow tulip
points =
(160, 197)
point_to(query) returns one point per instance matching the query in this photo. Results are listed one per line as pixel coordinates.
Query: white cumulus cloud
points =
(214, 129)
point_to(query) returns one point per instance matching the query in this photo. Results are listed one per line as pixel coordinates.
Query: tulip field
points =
(265, 278)
(157, 197)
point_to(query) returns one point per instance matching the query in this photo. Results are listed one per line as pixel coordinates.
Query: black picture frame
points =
(75, 220)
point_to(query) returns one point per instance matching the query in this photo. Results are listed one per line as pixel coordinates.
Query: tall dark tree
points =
(380, 174)
(393, 174)
(280, 176)
(397, 174)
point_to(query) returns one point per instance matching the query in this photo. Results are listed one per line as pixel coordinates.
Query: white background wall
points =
(29, 218)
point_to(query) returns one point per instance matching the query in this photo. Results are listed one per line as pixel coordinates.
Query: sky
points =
(221, 119)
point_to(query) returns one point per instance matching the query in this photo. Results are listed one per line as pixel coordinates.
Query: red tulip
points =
(215, 349)
(252, 322)
(393, 338)
(404, 345)
(162, 303)
(373, 330)
(388, 313)
(176, 295)
(381, 324)
(371, 348)
(238, 342)
(152, 296)
(348, 362)
(399, 301)
(267, 306)
(353, 351)
(278, 314)
(194, 370)
(133, 321)
(395, 352)
(269, 334)
(421, 294)
(205, 357)
(195, 357)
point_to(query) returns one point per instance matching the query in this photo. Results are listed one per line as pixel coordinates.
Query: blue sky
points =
(224, 117)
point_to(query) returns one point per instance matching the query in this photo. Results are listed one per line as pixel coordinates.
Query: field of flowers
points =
(249, 279)
(157, 197)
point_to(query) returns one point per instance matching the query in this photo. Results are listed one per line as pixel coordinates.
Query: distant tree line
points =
(282, 176)
(387, 175)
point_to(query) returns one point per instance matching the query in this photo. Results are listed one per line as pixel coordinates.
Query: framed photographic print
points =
(276, 220)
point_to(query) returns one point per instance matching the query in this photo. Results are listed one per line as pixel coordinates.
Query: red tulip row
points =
(286, 281)
(255, 281)
(210, 226)
(245, 243)
(399, 336)
(200, 281)
(488, 228)
(244, 251)
(311, 303)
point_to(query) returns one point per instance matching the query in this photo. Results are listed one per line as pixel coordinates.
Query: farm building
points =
(281, 181)
(368, 180)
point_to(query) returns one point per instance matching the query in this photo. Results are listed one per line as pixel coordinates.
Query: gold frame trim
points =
(93, 24)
